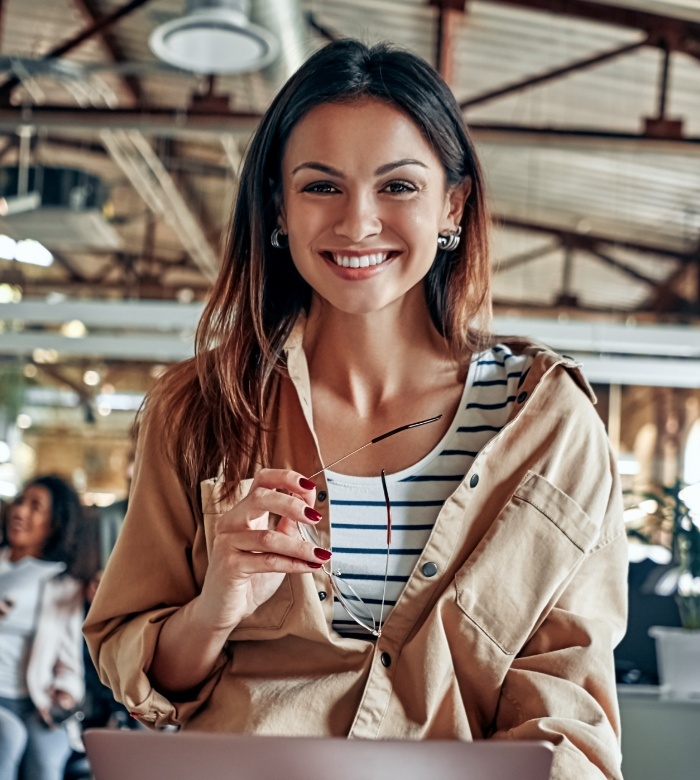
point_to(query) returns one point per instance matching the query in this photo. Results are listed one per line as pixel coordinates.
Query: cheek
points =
(42, 528)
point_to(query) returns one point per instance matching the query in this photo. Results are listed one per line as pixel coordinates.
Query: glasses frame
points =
(369, 623)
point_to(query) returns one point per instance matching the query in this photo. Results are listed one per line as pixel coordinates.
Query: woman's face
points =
(29, 521)
(364, 199)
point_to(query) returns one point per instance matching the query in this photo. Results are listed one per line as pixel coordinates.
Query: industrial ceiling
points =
(586, 116)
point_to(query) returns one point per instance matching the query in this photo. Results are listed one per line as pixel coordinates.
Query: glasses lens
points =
(343, 591)
(308, 534)
(353, 604)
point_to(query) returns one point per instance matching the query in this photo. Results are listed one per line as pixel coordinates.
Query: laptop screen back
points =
(147, 755)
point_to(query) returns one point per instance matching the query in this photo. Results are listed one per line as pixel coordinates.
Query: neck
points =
(17, 553)
(370, 361)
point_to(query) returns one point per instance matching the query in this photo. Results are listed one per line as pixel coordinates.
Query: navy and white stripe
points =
(358, 513)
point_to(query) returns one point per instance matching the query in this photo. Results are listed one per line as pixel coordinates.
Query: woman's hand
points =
(248, 559)
(62, 706)
(5, 606)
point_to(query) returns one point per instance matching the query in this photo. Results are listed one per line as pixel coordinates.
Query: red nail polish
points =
(312, 514)
(307, 484)
(324, 555)
(314, 565)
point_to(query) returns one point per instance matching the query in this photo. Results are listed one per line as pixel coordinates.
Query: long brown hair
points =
(215, 404)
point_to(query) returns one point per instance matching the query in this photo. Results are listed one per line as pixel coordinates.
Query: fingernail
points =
(324, 555)
(307, 484)
(312, 514)
(314, 565)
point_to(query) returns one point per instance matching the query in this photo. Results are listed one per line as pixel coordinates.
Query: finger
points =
(286, 480)
(64, 699)
(268, 542)
(44, 714)
(260, 501)
(272, 563)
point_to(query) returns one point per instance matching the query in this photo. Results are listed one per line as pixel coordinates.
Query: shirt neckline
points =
(349, 479)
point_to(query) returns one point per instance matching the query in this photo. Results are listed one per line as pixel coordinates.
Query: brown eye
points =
(320, 188)
(400, 187)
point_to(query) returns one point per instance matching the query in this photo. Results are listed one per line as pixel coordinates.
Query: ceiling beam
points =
(685, 34)
(98, 26)
(550, 75)
(113, 49)
(175, 123)
(588, 240)
(526, 257)
(446, 27)
(135, 155)
(172, 122)
(159, 121)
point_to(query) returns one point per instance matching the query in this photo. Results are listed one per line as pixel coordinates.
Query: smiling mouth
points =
(359, 261)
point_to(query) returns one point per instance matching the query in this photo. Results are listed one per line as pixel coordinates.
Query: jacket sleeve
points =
(69, 671)
(561, 685)
(149, 575)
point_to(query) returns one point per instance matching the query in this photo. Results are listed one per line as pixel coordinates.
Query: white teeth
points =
(360, 262)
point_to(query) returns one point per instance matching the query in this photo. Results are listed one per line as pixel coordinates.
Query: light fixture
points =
(25, 251)
(18, 204)
(23, 421)
(214, 36)
(74, 329)
(92, 378)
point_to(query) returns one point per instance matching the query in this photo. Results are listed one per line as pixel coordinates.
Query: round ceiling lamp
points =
(212, 37)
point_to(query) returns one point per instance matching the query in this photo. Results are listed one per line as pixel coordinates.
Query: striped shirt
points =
(357, 506)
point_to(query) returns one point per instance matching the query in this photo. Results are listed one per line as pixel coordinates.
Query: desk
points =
(660, 737)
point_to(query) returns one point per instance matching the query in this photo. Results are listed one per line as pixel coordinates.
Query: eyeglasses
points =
(341, 588)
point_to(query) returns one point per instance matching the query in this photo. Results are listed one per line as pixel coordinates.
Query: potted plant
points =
(678, 649)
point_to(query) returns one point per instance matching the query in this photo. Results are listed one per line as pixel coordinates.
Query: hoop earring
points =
(451, 241)
(278, 239)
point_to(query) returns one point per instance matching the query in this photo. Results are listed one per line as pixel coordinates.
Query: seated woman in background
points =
(255, 587)
(41, 612)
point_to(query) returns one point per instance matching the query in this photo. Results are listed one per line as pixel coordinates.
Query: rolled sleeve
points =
(156, 567)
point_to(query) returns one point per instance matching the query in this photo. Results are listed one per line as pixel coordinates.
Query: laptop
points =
(152, 755)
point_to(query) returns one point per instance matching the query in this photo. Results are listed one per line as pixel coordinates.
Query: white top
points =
(417, 494)
(22, 583)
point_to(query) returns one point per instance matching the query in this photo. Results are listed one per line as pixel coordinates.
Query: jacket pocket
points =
(272, 614)
(520, 566)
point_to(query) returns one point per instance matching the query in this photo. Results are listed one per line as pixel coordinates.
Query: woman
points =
(41, 612)
(353, 299)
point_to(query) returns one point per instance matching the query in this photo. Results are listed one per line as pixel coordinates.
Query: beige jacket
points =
(511, 639)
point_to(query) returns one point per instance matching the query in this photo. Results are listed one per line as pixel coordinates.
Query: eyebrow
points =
(386, 168)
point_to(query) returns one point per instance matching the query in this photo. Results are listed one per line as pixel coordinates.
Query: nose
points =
(359, 218)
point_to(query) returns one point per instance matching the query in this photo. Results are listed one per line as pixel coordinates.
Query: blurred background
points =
(122, 130)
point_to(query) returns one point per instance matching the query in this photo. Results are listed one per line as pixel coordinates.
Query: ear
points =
(281, 212)
(455, 202)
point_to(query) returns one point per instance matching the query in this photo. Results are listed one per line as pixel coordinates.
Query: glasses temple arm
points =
(378, 439)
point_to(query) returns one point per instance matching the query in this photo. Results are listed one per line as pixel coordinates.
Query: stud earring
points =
(451, 241)
(278, 239)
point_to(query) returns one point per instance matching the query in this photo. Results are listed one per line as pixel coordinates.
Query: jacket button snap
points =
(429, 569)
(474, 481)
(321, 495)
(522, 397)
(386, 660)
(322, 595)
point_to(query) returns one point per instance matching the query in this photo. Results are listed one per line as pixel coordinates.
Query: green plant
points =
(686, 543)
(660, 516)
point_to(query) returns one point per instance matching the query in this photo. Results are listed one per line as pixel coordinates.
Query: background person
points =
(41, 611)
(354, 299)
